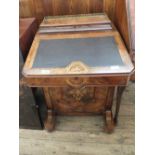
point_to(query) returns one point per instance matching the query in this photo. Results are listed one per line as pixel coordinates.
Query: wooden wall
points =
(116, 10)
(120, 20)
(131, 21)
(41, 8)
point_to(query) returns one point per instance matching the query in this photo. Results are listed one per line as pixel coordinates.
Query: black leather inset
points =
(94, 52)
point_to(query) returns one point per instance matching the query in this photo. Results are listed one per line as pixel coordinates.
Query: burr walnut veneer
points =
(79, 70)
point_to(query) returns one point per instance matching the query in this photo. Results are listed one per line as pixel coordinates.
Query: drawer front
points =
(76, 81)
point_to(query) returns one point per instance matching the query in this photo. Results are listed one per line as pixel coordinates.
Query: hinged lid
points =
(83, 53)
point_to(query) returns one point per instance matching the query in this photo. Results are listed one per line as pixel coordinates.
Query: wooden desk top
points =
(79, 53)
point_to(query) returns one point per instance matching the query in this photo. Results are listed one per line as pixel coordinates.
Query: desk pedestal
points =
(82, 101)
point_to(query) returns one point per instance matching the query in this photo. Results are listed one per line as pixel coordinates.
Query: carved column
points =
(49, 123)
(108, 116)
(120, 91)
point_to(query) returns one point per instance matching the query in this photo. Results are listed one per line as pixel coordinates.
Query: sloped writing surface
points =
(94, 52)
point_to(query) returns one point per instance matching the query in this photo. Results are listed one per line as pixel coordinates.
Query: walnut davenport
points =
(79, 87)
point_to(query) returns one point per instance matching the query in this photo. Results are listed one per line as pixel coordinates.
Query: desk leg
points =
(50, 120)
(108, 116)
(120, 91)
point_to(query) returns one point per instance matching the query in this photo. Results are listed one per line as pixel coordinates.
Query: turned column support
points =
(108, 116)
(120, 90)
(49, 123)
(109, 122)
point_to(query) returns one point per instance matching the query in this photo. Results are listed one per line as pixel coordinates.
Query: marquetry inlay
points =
(77, 67)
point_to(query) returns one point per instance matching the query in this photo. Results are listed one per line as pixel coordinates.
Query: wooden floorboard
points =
(84, 135)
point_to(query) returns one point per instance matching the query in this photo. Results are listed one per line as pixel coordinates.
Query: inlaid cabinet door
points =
(83, 100)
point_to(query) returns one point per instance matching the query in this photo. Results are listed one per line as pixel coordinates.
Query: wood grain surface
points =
(121, 21)
(41, 8)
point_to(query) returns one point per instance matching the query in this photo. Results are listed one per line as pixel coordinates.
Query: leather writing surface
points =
(94, 52)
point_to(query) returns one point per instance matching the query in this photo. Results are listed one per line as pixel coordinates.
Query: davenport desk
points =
(79, 61)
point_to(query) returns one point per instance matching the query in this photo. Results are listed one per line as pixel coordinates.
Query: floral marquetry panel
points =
(73, 100)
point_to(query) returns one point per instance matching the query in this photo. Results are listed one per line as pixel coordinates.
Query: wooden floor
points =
(83, 135)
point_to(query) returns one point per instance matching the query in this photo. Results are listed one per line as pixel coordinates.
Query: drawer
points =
(76, 81)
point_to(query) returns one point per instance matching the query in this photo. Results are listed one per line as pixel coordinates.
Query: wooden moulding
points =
(76, 81)
(82, 28)
(75, 20)
(75, 23)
